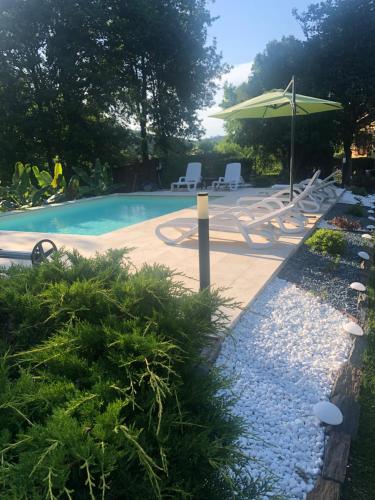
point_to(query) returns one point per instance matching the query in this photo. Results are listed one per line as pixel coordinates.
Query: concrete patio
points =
(241, 271)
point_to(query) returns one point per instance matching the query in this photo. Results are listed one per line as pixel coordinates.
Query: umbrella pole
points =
(292, 133)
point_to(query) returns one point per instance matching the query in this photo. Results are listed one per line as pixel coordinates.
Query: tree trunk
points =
(143, 114)
(144, 143)
(347, 167)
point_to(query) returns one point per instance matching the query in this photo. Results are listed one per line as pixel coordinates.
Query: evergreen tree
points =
(75, 76)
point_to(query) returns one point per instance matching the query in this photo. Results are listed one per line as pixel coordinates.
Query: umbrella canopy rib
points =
(302, 109)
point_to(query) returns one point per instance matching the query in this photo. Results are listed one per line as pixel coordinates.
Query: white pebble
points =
(283, 356)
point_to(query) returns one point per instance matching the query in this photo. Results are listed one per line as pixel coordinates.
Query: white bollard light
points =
(204, 240)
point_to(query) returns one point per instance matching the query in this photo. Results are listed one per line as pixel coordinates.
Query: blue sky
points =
(243, 30)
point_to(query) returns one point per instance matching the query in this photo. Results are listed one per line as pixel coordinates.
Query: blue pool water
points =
(95, 216)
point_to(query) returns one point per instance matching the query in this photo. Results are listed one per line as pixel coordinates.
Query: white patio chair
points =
(191, 179)
(232, 178)
(236, 220)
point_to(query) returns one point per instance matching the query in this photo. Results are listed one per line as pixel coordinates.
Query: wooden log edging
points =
(345, 394)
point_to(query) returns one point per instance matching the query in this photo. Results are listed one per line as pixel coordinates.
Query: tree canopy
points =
(77, 76)
(336, 61)
(341, 47)
(316, 135)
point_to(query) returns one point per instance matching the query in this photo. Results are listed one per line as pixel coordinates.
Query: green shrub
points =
(100, 395)
(327, 241)
(31, 186)
(357, 210)
(359, 190)
(264, 180)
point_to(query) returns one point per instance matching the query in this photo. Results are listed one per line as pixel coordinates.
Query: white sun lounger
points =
(290, 222)
(304, 199)
(320, 192)
(236, 220)
(192, 178)
(325, 188)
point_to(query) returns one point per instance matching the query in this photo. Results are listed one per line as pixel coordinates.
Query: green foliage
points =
(264, 180)
(93, 180)
(21, 188)
(359, 190)
(79, 72)
(31, 186)
(101, 395)
(214, 154)
(316, 135)
(327, 241)
(225, 147)
(360, 483)
(357, 210)
(330, 28)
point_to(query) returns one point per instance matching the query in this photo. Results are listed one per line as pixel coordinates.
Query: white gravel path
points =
(283, 357)
(352, 199)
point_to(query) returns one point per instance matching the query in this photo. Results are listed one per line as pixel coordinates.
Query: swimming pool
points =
(94, 217)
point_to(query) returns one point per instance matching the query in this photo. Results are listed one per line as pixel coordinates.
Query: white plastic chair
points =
(232, 178)
(191, 179)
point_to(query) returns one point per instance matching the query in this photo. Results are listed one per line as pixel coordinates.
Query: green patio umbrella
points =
(279, 103)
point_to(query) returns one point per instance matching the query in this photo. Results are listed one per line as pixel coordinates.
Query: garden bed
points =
(328, 277)
(288, 352)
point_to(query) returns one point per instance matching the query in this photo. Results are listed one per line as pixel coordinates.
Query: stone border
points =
(345, 394)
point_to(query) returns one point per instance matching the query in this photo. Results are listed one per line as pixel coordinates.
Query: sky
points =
(243, 29)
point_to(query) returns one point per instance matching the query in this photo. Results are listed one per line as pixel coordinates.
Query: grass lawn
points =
(360, 484)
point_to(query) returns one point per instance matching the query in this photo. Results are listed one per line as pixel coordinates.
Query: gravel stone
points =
(327, 277)
(283, 357)
(284, 354)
